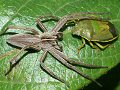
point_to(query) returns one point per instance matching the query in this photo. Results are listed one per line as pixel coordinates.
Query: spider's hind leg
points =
(15, 60)
(64, 60)
(89, 66)
(75, 62)
(48, 70)
(35, 32)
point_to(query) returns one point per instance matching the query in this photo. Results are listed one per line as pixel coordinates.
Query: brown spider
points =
(48, 42)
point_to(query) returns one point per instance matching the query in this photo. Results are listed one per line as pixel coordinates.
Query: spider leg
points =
(73, 18)
(39, 21)
(8, 53)
(48, 70)
(56, 45)
(100, 13)
(15, 60)
(35, 32)
(48, 17)
(74, 62)
(54, 52)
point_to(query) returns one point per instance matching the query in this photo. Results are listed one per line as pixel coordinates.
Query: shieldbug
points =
(99, 32)
(48, 42)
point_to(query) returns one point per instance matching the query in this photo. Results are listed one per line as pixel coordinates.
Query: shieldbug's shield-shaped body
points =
(99, 32)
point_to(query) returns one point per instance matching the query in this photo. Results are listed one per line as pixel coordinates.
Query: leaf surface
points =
(28, 75)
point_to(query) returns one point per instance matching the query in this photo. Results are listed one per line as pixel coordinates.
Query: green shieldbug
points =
(99, 32)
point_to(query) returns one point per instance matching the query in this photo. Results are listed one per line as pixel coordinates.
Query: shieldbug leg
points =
(39, 21)
(35, 32)
(48, 70)
(92, 45)
(83, 44)
(101, 46)
(55, 52)
(14, 60)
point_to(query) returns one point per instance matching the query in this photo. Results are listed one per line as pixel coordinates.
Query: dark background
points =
(109, 81)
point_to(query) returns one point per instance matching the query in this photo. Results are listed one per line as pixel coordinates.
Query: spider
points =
(48, 42)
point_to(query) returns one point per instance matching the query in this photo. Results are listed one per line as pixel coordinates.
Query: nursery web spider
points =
(48, 42)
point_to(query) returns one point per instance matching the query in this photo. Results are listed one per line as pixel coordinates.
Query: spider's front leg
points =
(74, 62)
(56, 45)
(48, 70)
(57, 55)
(73, 18)
(40, 19)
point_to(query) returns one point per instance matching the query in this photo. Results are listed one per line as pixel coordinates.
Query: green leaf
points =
(118, 87)
(28, 75)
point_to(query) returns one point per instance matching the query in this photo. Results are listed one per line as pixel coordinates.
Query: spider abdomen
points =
(22, 40)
